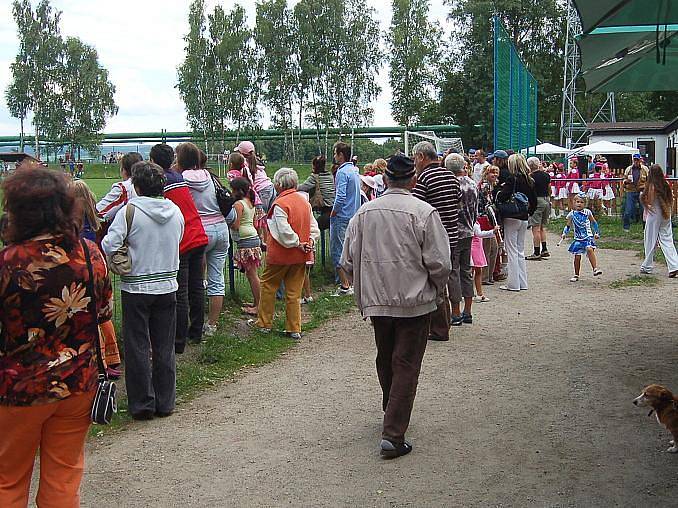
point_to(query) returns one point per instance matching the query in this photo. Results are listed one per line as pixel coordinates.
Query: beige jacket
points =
(398, 253)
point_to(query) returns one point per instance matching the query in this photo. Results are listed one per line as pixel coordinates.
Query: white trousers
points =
(514, 241)
(658, 228)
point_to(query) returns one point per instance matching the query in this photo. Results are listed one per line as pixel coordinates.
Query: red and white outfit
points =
(560, 186)
(572, 186)
(595, 188)
(117, 197)
(608, 192)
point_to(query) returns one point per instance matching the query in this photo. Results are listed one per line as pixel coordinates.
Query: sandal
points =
(574, 278)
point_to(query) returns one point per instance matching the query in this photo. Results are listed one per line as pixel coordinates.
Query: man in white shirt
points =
(479, 166)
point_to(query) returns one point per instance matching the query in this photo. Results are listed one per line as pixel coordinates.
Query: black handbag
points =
(516, 206)
(224, 198)
(104, 404)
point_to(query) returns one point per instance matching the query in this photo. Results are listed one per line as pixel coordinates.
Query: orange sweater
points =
(298, 212)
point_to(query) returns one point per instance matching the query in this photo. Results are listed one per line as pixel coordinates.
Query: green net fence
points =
(515, 96)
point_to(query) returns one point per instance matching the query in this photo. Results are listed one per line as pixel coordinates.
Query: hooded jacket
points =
(177, 191)
(153, 240)
(204, 195)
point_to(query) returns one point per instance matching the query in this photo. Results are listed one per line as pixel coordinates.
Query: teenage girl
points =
(586, 230)
(560, 190)
(657, 201)
(572, 185)
(248, 255)
(595, 187)
(609, 199)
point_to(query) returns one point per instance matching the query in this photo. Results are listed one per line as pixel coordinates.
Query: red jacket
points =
(177, 191)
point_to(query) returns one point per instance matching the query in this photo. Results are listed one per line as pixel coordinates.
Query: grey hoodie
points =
(153, 239)
(204, 195)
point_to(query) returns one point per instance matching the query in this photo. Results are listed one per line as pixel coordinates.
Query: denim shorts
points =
(338, 228)
(216, 254)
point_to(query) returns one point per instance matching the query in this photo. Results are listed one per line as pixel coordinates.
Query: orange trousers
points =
(59, 430)
(109, 344)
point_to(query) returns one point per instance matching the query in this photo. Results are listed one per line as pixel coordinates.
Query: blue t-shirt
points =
(581, 223)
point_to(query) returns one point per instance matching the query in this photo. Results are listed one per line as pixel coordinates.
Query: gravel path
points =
(530, 406)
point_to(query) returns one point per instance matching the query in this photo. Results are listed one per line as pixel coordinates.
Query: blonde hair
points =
(87, 200)
(517, 164)
(368, 167)
(380, 166)
(489, 169)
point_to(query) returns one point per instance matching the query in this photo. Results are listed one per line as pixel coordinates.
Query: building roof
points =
(656, 127)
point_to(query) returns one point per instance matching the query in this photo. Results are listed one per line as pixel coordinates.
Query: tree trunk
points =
(21, 137)
(37, 143)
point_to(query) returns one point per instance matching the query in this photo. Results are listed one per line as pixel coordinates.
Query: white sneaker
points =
(481, 299)
(341, 291)
(645, 271)
(208, 330)
(575, 278)
(305, 301)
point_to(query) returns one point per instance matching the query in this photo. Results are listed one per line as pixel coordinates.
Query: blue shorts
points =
(338, 226)
(579, 247)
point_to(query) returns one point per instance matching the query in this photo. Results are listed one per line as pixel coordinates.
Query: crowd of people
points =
(415, 240)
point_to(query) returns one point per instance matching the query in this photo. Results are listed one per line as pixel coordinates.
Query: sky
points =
(141, 44)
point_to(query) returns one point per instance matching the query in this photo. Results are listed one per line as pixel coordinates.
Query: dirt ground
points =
(529, 406)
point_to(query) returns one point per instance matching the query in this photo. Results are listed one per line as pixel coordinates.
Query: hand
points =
(497, 228)
(596, 236)
(333, 214)
(562, 236)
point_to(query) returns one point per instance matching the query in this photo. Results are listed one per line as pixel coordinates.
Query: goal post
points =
(441, 144)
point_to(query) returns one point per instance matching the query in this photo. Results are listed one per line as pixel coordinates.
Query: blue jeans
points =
(338, 226)
(632, 203)
(216, 253)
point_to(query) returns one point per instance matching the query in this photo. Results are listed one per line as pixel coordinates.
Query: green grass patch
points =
(635, 281)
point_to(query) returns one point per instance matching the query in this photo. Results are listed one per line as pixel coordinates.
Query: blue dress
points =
(583, 232)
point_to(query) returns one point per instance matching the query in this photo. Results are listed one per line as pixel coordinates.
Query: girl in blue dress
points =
(586, 231)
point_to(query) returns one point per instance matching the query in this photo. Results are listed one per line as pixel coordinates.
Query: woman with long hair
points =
(657, 200)
(517, 179)
(50, 310)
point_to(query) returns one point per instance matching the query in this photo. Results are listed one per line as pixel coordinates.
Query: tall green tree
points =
(414, 43)
(17, 97)
(86, 97)
(276, 38)
(37, 81)
(537, 28)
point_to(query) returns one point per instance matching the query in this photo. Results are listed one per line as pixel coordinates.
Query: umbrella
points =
(545, 149)
(621, 13)
(605, 148)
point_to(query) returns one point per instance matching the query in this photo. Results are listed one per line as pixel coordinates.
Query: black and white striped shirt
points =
(440, 189)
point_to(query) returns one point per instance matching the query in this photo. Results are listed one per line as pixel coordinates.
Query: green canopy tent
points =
(619, 13)
(630, 59)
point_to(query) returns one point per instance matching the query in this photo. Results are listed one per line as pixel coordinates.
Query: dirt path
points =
(529, 406)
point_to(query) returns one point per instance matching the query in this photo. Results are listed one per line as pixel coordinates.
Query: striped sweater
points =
(440, 189)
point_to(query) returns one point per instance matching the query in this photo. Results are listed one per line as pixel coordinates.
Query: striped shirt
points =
(440, 189)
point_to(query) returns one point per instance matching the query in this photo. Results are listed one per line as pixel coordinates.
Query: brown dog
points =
(665, 406)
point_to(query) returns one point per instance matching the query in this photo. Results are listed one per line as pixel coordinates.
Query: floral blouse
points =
(47, 334)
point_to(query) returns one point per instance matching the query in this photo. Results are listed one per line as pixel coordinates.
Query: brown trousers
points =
(401, 343)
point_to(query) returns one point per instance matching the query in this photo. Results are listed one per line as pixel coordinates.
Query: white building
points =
(656, 141)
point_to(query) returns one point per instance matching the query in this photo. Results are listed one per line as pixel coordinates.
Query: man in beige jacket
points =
(398, 255)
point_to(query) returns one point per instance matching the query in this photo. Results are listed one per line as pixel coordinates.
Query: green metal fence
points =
(515, 96)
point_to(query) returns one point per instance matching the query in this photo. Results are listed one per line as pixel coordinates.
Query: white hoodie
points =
(157, 229)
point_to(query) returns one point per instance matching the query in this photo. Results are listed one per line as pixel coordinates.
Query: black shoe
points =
(545, 254)
(391, 450)
(457, 320)
(195, 342)
(163, 414)
(467, 318)
(488, 283)
(437, 338)
(179, 348)
(533, 257)
(142, 415)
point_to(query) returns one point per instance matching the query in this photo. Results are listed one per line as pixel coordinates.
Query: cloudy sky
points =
(140, 43)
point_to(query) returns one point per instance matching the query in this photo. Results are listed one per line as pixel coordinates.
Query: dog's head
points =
(654, 396)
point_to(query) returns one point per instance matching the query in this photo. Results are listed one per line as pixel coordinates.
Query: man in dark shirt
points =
(540, 218)
(440, 189)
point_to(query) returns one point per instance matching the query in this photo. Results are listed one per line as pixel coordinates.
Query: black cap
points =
(400, 167)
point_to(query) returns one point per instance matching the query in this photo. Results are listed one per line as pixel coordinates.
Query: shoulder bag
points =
(120, 261)
(104, 404)
(225, 200)
(516, 206)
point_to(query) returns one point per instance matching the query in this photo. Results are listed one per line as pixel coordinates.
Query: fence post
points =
(322, 247)
(231, 270)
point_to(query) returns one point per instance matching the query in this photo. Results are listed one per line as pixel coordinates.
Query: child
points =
(248, 256)
(552, 171)
(560, 190)
(595, 187)
(307, 294)
(609, 199)
(586, 230)
(478, 259)
(380, 169)
(572, 184)
(367, 189)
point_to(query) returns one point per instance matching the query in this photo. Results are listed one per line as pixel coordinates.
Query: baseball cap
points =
(245, 147)
(637, 156)
(500, 154)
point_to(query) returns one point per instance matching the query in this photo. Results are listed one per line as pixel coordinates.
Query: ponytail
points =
(252, 163)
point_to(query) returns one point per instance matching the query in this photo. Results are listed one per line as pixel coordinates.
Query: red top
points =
(176, 190)
(47, 348)
(298, 212)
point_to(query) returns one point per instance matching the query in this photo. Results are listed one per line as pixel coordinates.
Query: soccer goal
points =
(441, 144)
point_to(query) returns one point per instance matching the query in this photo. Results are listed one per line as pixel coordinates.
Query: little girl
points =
(586, 230)
(478, 259)
(609, 199)
(595, 187)
(572, 185)
(560, 190)
(248, 256)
